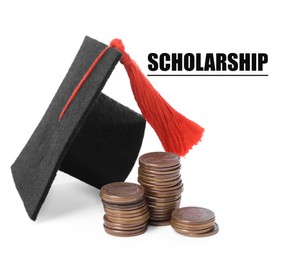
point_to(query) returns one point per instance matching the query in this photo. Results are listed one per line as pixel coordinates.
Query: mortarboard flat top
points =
(97, 140)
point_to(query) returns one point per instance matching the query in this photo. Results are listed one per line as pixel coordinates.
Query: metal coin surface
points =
(134, 212)
(159, 177)
(159, 223)
(211, 232)
(164, 194)
(130, 220)
(159, 172)
(193, 215)
(125, 226)
(175, 187)
(164, 204)
(159, 159)
(145, 182)
(192, 227)
(165, 199)
(125, 233)
(126, 207)
(122, 192)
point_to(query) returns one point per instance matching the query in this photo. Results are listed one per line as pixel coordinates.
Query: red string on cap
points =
(84, 78)
(176, 133)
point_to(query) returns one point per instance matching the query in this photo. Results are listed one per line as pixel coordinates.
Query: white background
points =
(238, 168)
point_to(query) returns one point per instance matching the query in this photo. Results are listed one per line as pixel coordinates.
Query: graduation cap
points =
(92, 137)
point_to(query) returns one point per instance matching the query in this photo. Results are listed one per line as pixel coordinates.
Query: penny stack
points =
(126, 210)
(194, 222)
(159, 174)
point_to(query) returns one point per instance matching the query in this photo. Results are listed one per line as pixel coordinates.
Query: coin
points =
(157, 182)
(165, 199)
(159, 172)
(193, 215)
(159, 160)
(156, 188)
(175, 187)
(128, 217)
(211, 232)
(163, 215)
(153, 222)
(164, 204)
(125, 233)
(161, 218)
(164, 194)
(192, 227)
(124, 226)
(127, 212)
(132, 220)
(164, 176)
(122, 192)
(125, 207)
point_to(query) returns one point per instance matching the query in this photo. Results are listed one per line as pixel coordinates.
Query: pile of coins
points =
(126, 211)
(159, 174)
(194, 222)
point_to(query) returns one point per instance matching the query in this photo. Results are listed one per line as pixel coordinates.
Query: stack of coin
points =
(194, 222)
(126, 211)
(159, 174)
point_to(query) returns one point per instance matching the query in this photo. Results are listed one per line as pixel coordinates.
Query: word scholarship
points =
(207, 62)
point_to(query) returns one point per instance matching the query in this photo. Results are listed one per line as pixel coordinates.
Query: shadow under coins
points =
(67, 199)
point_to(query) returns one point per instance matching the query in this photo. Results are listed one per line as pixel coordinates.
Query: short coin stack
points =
(126, 211)
(194, 222)
(159, 174)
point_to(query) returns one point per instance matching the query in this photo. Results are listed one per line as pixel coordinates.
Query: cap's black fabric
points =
(97, 140)
(107, 146)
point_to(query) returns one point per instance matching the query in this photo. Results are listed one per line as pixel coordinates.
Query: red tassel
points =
(176, 133)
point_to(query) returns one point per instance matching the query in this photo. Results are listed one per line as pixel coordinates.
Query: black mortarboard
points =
(96, 141)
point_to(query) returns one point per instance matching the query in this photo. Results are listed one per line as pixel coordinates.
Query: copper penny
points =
(161, 218)
(156, 188)
(158, 178)
(164, 199)
(161, 211)
(159, 159)
(193, 215)
(115, 224)
(125, 233)
(122, 192)
(130, 220)
(127, 207)
(211, 232)
(164, 204)
(125, 227)
(164, 194)
(164, 207)
(156, 182)
(161, 172)
(165, 189)
(129, 215)
(192, 227)
(153, 222)
(127, 212)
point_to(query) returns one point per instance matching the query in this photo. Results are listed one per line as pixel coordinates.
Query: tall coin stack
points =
(159, 174)
(126, 211)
